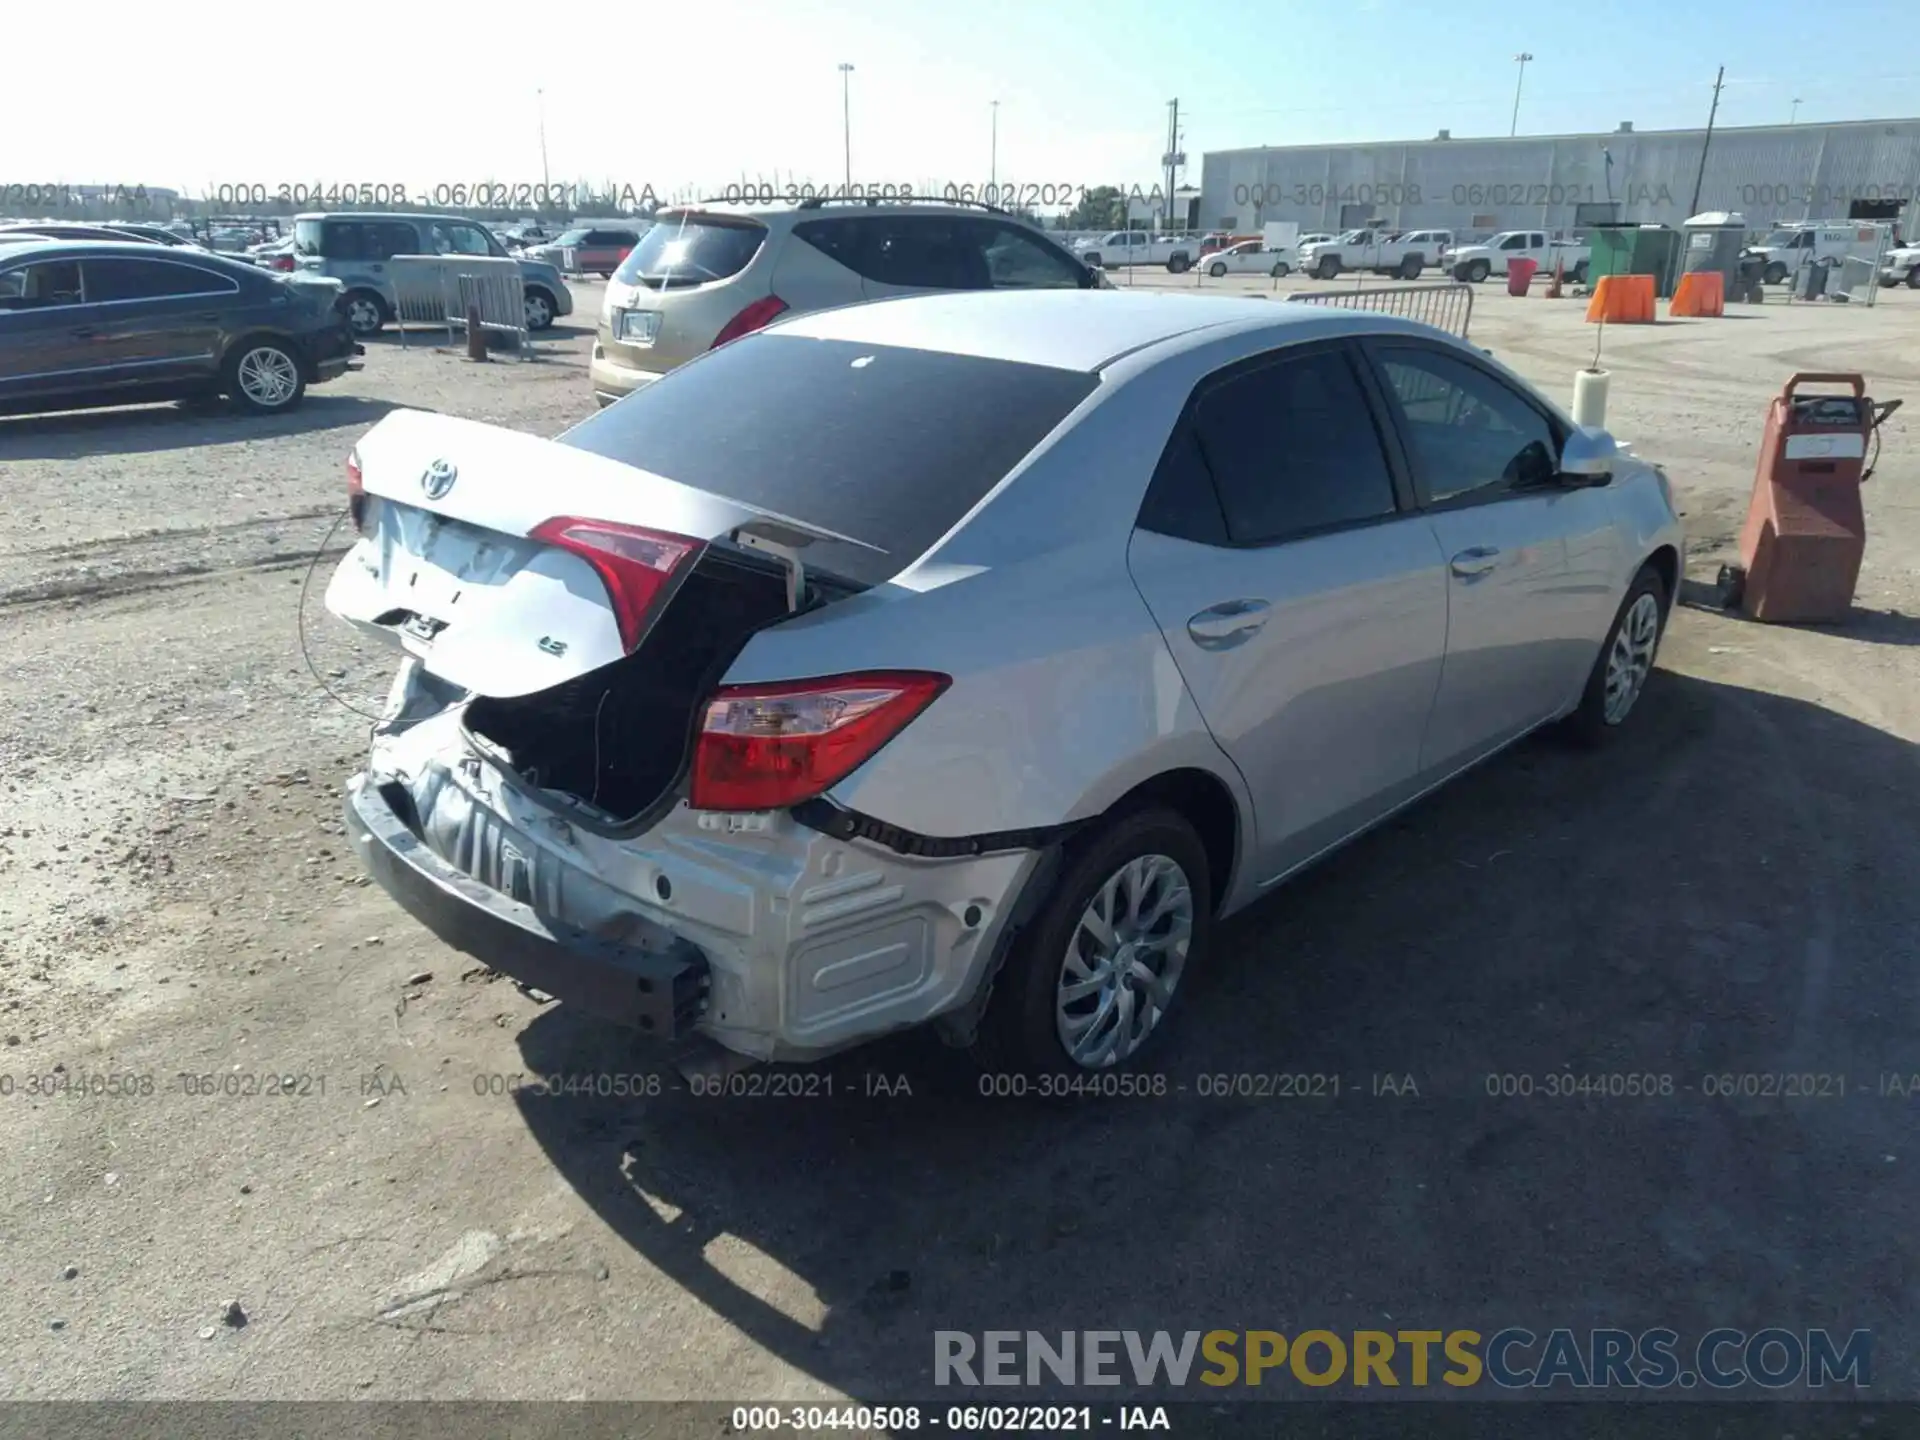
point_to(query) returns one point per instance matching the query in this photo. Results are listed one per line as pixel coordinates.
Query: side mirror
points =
(1589, 456)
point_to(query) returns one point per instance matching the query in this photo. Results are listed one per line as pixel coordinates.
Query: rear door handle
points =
(1471, 564)
(1219, 627)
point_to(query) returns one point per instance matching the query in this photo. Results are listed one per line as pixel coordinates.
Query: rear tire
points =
(1776, 274)
(366, 312)
(1913, 278)
(1626, 657)
(1579, 276)
(1179, 264)
(1328, 268)
(1410, 268)
(1150, 859)
(1216, 270)
(539, 307)
(1280, 270)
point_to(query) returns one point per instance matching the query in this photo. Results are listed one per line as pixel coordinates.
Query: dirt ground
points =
(1728, 890)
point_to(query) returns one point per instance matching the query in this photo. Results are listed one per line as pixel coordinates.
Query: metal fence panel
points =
(441, 290)
(1447, 307)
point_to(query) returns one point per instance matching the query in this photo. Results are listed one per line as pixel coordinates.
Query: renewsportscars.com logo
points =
(1513, 1358)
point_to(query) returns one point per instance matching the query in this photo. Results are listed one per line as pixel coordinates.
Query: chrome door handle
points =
(1227, 624)
(1470, 564)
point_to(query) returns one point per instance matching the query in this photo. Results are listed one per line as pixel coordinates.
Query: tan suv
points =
(705, 274)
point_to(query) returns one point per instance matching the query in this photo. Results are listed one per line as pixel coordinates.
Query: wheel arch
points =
(1204, 800)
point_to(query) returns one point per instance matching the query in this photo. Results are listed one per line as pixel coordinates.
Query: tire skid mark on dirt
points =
(170, 535)
(134, 581)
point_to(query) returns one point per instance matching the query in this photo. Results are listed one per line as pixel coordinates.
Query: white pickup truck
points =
(1490, 257)
(1385, 252)
(1901, 264)
(1136, 247)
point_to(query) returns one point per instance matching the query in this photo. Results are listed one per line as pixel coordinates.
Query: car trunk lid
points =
(510, 564)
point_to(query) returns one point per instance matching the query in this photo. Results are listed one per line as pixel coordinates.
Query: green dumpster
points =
(1636, 250)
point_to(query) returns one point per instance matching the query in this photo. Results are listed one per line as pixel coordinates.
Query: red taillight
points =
(760, 312)
(356, 492)
(637, 566)
(765, 747)
(282, 262)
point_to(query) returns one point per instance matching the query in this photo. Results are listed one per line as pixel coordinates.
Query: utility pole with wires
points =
(1707, 143)
(1169, 160)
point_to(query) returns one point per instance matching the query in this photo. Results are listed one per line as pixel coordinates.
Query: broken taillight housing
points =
(356, 493)
(639, 567)
(765, 747)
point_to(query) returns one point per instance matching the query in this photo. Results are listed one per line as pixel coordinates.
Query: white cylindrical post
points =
(1590, 397)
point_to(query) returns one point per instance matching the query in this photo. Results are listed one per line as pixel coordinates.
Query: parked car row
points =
(959, 659)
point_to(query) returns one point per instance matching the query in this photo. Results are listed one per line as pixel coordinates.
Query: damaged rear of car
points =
(576, 778)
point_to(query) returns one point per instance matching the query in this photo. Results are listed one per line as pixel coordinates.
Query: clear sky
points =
(190, 94)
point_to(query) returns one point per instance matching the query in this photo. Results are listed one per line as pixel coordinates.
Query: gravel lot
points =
(1729, 890)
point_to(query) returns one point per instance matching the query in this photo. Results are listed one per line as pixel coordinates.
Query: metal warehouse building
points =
(1563, 182)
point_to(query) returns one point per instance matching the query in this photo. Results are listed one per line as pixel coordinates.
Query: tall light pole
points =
(546, 189)
(846, 120)
(1522, 58)
(993, 157)
(1794, 119)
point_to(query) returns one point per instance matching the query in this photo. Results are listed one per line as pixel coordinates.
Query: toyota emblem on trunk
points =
(439, 478)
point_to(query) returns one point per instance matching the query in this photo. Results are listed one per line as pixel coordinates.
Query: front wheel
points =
(1776, 273)
(1913, 278)
(1626, 659)
(264, 376)
(1090, 983)
(1410, 268)
(1328, 268)
(1478, 270)
(1216, 270)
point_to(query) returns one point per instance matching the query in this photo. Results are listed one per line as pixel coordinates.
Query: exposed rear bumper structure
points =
(656, 982)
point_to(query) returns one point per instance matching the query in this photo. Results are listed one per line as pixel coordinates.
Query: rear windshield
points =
(680, 250)
(888, 446)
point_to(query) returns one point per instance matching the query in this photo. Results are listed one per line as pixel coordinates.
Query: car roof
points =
(389, 215)
(1063, 329)
(114, 249)
(829, 205)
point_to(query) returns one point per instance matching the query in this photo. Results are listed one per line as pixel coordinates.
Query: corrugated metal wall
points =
(1766, 172)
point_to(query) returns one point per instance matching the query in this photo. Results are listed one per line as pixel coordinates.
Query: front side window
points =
(1292, 448)
(1018, 261)
(468, 240)
(1469, 431)
(1514, 242)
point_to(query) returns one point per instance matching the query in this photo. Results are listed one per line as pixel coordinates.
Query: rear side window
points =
(689, 251)
(886, 445)
(1292, 448)
(356, 239)
(150, 280)
(943, 252)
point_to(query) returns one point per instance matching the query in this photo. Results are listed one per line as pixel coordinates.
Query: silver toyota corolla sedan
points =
(965, 658)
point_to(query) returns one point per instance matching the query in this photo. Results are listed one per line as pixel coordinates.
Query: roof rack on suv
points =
(814, 202)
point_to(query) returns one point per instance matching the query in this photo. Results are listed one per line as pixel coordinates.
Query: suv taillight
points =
(759, 313)
(356, 493)
(639, 567)
(765, 747)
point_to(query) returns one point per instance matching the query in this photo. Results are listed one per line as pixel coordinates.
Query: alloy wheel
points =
(1123, 961)
(267, 377)
(1631, 657)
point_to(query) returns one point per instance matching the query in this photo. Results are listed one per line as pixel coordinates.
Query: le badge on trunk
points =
(438, 478)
